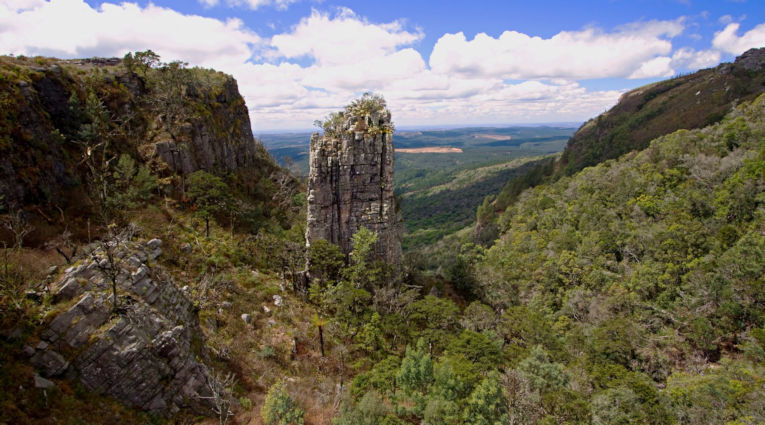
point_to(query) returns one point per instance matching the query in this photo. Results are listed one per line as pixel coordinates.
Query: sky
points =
(437, 63)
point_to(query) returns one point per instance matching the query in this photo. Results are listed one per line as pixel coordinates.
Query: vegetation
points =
(630, 292)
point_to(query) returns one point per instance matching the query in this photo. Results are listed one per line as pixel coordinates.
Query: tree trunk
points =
(114, 295)
(207, 227)
(321, 340)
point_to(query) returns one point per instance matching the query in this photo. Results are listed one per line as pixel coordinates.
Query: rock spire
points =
(350, 184)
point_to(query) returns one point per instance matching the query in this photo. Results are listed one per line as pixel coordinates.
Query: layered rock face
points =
(350, 183)
(144, 355)
(178, 122)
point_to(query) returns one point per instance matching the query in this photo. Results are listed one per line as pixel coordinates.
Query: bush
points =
(279, 408)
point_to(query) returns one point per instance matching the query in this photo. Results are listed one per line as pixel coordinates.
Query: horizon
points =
(298, 60)
(435, 127)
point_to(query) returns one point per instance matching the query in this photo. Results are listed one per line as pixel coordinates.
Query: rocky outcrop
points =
(219, 140)
(144, 354)
(175, 120)
(350, 184)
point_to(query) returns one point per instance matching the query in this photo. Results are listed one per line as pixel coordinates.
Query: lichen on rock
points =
(147, 354)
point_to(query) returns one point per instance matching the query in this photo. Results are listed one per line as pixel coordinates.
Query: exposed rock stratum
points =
(350, 184)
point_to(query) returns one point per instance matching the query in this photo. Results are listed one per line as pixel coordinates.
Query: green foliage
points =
(326, 260)
(480, 350)
(487, 404)
(543, 375)
(279, 408)
(435, 320)
(209, 195)
(416, 371)
(133, 185)
(370, 410)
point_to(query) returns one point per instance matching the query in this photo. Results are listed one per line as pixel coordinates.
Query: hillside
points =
(139, 220)
(684, 102)
(153, 270)
(628, 293)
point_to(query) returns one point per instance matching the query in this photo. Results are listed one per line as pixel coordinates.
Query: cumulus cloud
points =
(729, 41)
(72, 28)
(687, 58)
(342, 39)
(251, 4)
(327, 59)
(632, 50)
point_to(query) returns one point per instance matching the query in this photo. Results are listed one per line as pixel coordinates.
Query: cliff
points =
(350, 184)
(60, 116)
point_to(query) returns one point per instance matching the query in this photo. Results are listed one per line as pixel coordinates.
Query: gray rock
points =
(68, 290)
(29, 351)
(50, 363)
(278, 300)
(350, 184)
(246, 318)
(226, 304)
(42, 383)
(145, 359)
(186, 248)
(154, 244)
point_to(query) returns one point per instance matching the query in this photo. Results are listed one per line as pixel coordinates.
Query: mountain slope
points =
(685, 102)
(689, 101)
(646, 272)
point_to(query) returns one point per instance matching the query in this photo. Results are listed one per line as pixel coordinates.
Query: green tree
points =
(132, 185)
(325, 261)
(279, 408)
(435, 320)
(487, 404)
(416, 371)
(542, 374)
(210, 196)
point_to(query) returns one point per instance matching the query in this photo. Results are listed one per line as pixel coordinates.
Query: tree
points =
(96, 136)
(416, 371)
(108, 258)
(279, 408)
(132, 185)
(542, 374)
(325, 261)
(141, 61)
(221, 388)
(487, 404)
(16, 222)
(210, 196)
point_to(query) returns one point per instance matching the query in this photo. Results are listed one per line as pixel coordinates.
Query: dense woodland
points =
(629, 292)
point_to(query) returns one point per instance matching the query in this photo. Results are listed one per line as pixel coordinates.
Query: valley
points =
(161, 264)
(440, 189)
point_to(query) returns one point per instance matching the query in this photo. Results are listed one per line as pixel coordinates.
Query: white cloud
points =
(690, 59)
(656, 67)
(346, 38)
(584, 54)
(326, 60)
(251, 4)
(729, 41)
(72, 28)
(17, 5)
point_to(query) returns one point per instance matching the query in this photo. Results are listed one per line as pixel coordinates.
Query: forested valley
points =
(155, 267)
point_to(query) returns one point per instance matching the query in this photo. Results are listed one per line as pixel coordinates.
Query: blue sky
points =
(437, 63)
